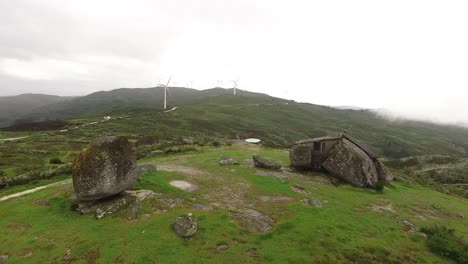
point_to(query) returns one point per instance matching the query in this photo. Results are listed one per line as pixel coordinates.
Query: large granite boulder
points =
(106, 167)
(351, 164)
(301, 156)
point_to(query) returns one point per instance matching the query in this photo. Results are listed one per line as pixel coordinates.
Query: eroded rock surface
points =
(110, 205)
(253, 220)
(105, 168)
(349, 163)
(262, 162)
(183, 185)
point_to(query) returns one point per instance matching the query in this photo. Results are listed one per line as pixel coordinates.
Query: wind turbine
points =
(218, 82)
(235, 86)
(165, 92)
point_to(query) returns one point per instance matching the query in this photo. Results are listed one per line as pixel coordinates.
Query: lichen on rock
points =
(106, 167)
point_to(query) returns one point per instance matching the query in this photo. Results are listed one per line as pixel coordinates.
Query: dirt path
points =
(173, 109)
(4, 198)
(13, 139)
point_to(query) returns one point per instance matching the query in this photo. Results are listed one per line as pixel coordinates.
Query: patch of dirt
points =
(189, 172)
(42, 202)
(276, 199)
(408, 226)
(68, 257)
(18, 227)
(299, 189)
(278, 174)
(162, 205)
(222, 248)
(382, 208)
(92, 256)
(253, 253)
(424, 213)
(202, 207)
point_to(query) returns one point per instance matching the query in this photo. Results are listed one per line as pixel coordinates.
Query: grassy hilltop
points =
(352, 225)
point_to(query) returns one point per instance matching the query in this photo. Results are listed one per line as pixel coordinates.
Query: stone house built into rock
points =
(318, 148)
(343, 157)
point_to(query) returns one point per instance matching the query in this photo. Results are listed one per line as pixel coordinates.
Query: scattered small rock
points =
(110, 205)
(162, 205)
(202, 207)
(185, 226)
(68, 258)
(278, 199)
(248, 163)
(223, 160)
(187, 141)
(253, 253)
(222, 248)
(26, 255)
(299, 189)
(408, 226)
(278, 174)
(305, 202)
(381, 208)
(317, 202)
(262, 162)
(4, 259)
(183, 185)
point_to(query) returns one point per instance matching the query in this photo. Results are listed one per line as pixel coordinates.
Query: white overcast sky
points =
(407, 56)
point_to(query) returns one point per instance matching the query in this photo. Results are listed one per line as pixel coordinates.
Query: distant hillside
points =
(122, 98)
(281, 123)
(13, 107)
(278, 122)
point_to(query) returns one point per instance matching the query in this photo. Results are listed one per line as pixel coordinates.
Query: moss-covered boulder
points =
(106, 167)
(301, 156)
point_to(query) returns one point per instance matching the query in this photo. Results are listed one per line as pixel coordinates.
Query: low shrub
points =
(442, 241)
(55, 161)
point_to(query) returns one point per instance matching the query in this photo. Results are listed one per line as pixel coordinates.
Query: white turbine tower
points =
(235, 86)
(165, 92)
(219, 83)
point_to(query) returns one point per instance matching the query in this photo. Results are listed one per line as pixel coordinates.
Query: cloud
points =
(406, 56)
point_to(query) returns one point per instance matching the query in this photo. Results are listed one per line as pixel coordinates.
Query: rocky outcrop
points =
(253, 220)
(261, 162)
(351, 164)
(106, 167)
(223, 160)
(185, 226)
(128, 202)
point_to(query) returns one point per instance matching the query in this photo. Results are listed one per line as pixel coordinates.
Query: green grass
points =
(344, 230)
